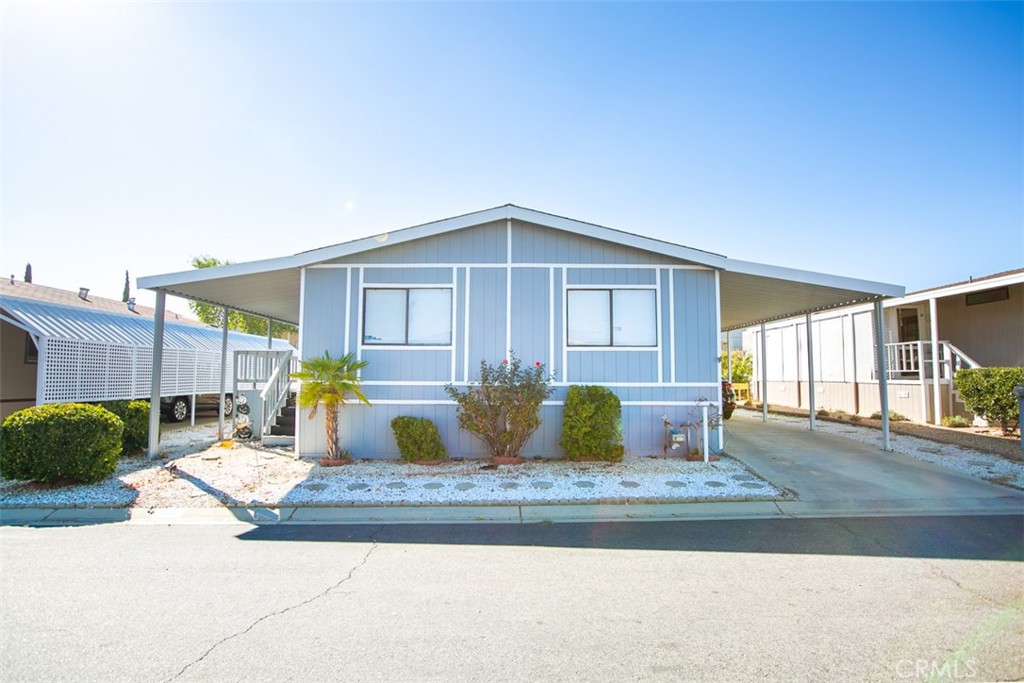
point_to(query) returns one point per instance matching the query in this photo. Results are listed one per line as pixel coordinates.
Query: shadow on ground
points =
(959, 537)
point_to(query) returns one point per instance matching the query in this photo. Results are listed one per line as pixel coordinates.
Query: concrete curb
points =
(503, 514)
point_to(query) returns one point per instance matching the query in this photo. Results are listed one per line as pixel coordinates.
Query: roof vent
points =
(131, 304)
(83, 293)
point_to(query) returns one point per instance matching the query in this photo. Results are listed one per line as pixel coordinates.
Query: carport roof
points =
(751, 292)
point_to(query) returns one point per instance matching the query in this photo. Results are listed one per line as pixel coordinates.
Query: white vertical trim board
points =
(465, 327)
(455, 317)
(565, 326)
(508, 288)
(348, 310)
(657, 323)
(551, 320)
(672, 324)
(359, 317)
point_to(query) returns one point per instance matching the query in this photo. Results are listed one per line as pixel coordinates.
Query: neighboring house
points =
(929, 334)
(425, 305)
(58, 346)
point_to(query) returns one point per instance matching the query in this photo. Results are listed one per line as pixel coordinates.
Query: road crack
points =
(281, 611)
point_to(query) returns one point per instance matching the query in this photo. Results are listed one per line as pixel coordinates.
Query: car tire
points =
(229, 405)
(179, 409)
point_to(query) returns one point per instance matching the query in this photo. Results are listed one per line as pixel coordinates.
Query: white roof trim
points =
(962, 288)
(813, 278)
(309, 258)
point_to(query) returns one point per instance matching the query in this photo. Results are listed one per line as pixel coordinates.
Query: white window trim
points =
(363, 346)
(655, 348)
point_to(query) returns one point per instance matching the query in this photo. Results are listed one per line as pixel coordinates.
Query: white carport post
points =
(933, 313)
(223, 372)
(764, 374)
(154, 383)
(881, 362)
(810, 374)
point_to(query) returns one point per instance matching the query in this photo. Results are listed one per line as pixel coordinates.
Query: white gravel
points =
(243, 475)
(981, 465)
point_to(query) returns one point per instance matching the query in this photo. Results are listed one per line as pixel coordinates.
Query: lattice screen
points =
(94, 371)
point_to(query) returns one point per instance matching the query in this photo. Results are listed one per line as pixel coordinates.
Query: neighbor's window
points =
(407, 317)
(988, 296)
(31, 351)
(612, 317)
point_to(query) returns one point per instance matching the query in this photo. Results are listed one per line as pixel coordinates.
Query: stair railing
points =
(275, 393)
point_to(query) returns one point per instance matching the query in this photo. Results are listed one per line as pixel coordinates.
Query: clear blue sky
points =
(875, 140)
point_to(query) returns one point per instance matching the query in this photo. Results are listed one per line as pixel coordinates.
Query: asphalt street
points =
(831, 599)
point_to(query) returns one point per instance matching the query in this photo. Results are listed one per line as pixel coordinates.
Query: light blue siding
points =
(611, 276)
(538, 244)
(530, 315)
(323, 325)
(411, 364)
(595, 367)
(696, 331)
(487, 301)
(481, 244)
(405, 276)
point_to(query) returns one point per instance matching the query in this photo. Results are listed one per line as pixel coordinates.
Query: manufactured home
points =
(425, 305)
(929, 335)
(58, 346)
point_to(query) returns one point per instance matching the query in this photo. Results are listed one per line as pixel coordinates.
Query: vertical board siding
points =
(480, 244)
(324, 317)
(612, 276)
(411, 365)
(530, 316)
(486, 318)
(537, 244)
(588, 367)
(696, 336)
(401, 276)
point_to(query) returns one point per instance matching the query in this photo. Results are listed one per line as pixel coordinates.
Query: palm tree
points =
(329, 381)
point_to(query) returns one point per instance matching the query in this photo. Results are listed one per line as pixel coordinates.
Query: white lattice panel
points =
(94, 371)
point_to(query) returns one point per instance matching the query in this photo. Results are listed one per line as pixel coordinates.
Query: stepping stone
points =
(316, 487)
(508, 485)
(752, 485)
(714, 484)
(629, 484)
(543, 484)
(583, 484)
(934, 451)
(465, 485)
(977, 463)
(676, 484)
(434, 485)
(358, 486)
(743, 477)
(396, 485)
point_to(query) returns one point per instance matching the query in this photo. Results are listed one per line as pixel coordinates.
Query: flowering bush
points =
(503, 408)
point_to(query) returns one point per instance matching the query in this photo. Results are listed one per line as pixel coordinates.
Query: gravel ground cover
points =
(198, 471)
(986, 466)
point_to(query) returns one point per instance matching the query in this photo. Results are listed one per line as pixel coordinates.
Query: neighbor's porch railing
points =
(913, 360)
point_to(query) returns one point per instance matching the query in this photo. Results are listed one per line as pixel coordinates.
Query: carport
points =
(748, 293)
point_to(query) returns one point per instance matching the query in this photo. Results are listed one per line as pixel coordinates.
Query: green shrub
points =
(955, 421)
(135, 416)
(72, 441)
(893, 416)
(418, 439)
(988, 392)
(503, 408)
(591, 424)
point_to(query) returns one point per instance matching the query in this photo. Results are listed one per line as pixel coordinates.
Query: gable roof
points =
(751, 292)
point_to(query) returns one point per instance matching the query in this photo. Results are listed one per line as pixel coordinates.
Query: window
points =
(31, 351)
(407, 317)
(988, 296)
(612, 317)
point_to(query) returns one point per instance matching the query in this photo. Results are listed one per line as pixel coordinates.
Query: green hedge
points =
(135, 416)
(591, 424)
(418, 439)
(61, 441)
(988, 392)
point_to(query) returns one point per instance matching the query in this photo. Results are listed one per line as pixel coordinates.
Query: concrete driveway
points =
(832, 474)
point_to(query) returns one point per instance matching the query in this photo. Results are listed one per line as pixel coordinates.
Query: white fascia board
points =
(217, 272)
(963, 288)
(618, 237)
(813, 278)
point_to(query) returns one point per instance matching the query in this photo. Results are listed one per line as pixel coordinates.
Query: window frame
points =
(31, 350)
(406, 344)
(612, 346)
